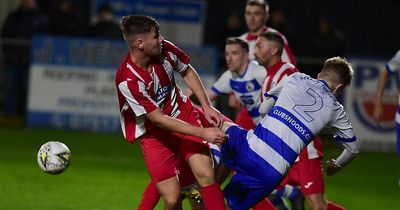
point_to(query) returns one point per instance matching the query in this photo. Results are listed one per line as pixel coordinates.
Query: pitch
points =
(108, 173)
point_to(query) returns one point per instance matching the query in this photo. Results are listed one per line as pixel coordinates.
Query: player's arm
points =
(193, 81)
(380, 86)
(212, 134)
(211, 94)
(142, 104)
(350, 151)
(344, 134)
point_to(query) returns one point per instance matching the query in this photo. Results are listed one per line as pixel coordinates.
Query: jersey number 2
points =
(304, 110)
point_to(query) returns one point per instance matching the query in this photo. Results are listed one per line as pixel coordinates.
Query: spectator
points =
(65, 21)
(328, 41)
(20, 25)
(106, 26)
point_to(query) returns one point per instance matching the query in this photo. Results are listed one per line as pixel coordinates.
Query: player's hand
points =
(213, 116)
(266, 105)
(377, 113)
(332, 167)
(213, 135)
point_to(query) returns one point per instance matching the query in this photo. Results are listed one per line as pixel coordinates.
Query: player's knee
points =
(205, 177)
(171, 200)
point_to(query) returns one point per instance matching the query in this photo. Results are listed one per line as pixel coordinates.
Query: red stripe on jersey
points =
(141, 96)
(141, 92)
(169, 46)
(275, 73)
(129, 127)
(251, 37)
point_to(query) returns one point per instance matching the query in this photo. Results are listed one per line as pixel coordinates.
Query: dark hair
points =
(340, 68)
(260, 3)
(275, 37)
(236, 40)
(138, 24)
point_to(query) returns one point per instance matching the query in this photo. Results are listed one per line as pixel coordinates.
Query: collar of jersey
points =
(326, 84)
(274, 68)
(251, 37)
(245, 70)
(142, 72)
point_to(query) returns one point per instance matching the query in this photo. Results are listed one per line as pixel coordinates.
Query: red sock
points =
(334, 206)
(265, 204)
(213, 198)
(150, 197)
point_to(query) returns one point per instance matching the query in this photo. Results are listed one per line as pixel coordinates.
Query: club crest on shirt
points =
(250, 86)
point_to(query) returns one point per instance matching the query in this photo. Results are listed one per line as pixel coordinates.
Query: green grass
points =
(108, 173)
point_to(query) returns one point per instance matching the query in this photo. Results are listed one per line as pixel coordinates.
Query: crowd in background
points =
(27, 20)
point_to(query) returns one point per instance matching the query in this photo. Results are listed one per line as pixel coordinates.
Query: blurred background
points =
(58, 57)
(58, 60)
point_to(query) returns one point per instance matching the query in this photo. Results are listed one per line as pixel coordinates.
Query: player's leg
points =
(265, 204)
(170, 191)
(312, 183)
(189, 187)
(162, 161)
(244, 191)
(316, 201)
(202, 168)
(149, 198)
(334, 206)
(295, 197)
(197, 154)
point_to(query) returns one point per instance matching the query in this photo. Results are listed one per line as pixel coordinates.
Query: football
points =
(53, 157)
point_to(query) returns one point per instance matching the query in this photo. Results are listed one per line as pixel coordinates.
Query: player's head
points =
(268, 49)
(142, 33)
(338, 73)
(236, 54)
(256, 14)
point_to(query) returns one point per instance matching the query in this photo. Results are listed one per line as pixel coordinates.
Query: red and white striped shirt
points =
(276, 73)
(287, 54)
(141, 92)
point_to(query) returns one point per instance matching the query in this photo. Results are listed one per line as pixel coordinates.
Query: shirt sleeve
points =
(222, 85)
(178, 59)
(344, 134)
(394, 64)
(137, 97)
(342, 128)
(275, 91)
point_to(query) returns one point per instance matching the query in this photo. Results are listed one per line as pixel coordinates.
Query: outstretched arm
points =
(212, 134)
(350, 151)
(380, 86)
(193, 81)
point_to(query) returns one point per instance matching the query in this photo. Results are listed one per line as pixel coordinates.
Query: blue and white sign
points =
(72, 81)
(72, 84)
(181, 21)
(359, 103)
